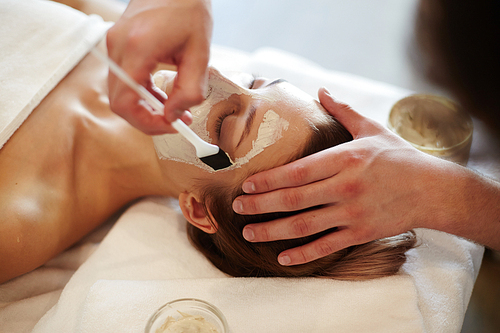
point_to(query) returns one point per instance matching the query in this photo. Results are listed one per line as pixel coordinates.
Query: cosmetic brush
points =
(208, 153)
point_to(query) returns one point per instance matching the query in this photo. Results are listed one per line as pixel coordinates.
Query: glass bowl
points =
(435, 125)
(186, 312)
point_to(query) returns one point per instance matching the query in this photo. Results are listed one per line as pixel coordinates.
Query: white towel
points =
(41, 41)
(262, 305)
(149, 242)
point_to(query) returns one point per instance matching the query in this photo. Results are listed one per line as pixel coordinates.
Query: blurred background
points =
(364, 37)
(368, 38)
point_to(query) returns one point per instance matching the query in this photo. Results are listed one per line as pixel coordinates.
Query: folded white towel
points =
(149, 242)
(41, 41)
(262, 304)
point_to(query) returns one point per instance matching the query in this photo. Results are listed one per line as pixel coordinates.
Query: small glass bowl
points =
(434, 125)
(189, 306)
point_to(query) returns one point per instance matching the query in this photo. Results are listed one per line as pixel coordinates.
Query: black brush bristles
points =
(217, 161)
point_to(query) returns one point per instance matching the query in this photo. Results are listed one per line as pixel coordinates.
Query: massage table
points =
(117, 276)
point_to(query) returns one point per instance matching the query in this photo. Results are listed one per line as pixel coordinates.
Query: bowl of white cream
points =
(187, 315)
(434, 125)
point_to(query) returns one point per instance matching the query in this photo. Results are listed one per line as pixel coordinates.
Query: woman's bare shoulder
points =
(29, 223)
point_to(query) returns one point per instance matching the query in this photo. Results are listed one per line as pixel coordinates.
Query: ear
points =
(195, 214)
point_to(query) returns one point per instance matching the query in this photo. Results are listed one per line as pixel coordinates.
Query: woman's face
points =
(259, 123)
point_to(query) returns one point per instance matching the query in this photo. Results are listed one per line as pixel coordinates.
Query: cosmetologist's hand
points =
(176, 32)
(373, 187)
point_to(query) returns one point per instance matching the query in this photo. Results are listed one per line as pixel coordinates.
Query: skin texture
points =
(160, 31)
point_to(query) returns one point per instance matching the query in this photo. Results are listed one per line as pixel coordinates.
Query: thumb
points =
(342, 112)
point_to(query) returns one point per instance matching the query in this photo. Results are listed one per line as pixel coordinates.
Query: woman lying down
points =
(73, 163)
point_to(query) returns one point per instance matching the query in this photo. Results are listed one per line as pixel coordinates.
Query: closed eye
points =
(220, 120)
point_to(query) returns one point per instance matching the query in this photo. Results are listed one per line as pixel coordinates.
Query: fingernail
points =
(327, 91)
(284, 260)
(238, 206)
(248, 234)
(248, 187)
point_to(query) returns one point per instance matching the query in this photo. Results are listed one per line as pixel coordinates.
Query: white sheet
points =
(41, 41)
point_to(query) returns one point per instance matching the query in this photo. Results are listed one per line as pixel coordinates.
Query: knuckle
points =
(264, 234)
(323, 248)
(134, 41)
(250, 205)
(298, 174)
(350, 189)
(291, 199)
(265, 184)
(355, 212)
(302, 256)
(353, 159)
(300, 227)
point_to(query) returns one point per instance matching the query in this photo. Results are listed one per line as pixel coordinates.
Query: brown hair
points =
(460, 42)
(232, 254)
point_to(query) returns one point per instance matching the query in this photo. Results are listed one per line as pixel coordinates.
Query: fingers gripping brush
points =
(208, 153)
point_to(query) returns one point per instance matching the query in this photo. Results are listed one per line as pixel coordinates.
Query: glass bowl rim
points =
(431, 149)
(209, 306)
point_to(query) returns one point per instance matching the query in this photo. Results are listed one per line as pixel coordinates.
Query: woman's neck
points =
(121, 164)
(115, 163)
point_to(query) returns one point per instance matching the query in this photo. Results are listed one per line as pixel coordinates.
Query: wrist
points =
(467, 205)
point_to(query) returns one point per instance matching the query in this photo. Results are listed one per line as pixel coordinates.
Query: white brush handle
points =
(203, 148)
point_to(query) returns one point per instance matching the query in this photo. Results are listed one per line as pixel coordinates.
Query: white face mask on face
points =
(175, 147)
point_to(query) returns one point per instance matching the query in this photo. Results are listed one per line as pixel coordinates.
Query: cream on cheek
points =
(270, 131)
